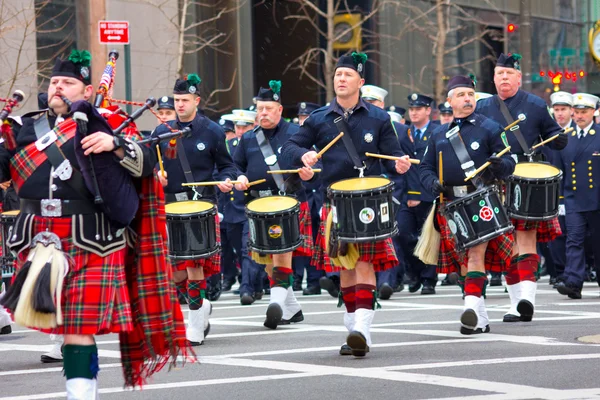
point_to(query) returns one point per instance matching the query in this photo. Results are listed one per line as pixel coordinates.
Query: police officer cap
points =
(419, 100)
(243, 117)
(273, 93)
(509, 61)
(77, 66)
(227, 123)
(188, 85)
(481, 95)
(445, 108)
(396, 109)
(166, 103)
(561, 99)
(585, 100)
(372, 92)
(305, 108)
(355, 61)
(395, 116)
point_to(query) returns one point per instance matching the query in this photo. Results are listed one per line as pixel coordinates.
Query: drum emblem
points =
(462, 226)
(452, 226)
(517, 194)
(486, 213)
(367, 215)
(275, 231)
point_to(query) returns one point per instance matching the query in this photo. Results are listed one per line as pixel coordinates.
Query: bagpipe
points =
(5, 128)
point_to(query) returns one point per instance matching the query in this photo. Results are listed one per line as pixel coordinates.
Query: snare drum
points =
(476, 218)
(363, 209)
(274, 224)
(192, 229)
(532, 191)
(7, 220)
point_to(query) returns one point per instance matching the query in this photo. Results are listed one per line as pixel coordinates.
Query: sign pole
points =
(128, 95)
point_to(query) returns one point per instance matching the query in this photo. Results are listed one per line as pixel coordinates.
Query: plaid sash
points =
(29, 158)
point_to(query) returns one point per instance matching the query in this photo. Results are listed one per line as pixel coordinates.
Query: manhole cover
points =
(593, 339)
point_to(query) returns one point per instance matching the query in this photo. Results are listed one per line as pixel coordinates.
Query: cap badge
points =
(446, 104)
(200, 146)
(368, 137)
(192, 89)
(275, 96)
(303, 105)
(164, 99)
(359, 68)
(85, 72)
(414, 96)
(221, 121)
(392, 108)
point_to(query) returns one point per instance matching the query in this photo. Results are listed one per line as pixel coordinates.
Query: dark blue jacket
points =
(205, 149)
(482, 138)
(416, 147)
(231, 204)
(538, 126)
(370, 130)
(399, 180)
(580, 163)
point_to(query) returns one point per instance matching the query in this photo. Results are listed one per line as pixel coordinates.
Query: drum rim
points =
(272, 213)
(394, 232)
(196, 257)
(507, 229)
(558, 176)
(332, 191)
(524, 218)
(213, 208)
(472, 195)
(276, 251)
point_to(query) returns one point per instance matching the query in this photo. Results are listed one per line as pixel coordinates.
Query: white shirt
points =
(585, 130)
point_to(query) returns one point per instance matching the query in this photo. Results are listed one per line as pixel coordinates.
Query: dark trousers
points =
(252, 273)
(411, 220)
(299, 264)
(578, 226)
(394, 276)
(558, 249)
(231, 249)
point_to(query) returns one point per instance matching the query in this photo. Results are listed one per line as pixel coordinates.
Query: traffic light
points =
(510, 28)
(581, 73)
(557, 80)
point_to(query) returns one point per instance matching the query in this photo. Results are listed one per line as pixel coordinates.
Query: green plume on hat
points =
(193, 79)
(516, 56)
(473, 78)
(275, 86)
(82, 57)
(359, 58)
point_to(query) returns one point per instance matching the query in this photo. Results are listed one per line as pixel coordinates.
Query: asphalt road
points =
(417, 353)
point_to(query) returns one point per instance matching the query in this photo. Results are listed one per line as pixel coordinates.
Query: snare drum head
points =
(355, 184)
(272, 204)
(535, 170)
(188, 207)
(12, 213)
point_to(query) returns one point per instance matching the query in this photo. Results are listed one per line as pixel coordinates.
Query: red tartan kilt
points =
(547, 231)
(497, 254)
(95, 297)
(308, 246)
(210, 265)
(381, 253)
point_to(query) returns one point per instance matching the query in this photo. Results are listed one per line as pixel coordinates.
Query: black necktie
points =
(418, 132)
(581, 133)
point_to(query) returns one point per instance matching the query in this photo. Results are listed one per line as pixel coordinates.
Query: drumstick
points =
(441, 174)
(338, 137)
(393, 158)
(521, 118)
(256, 182)
(290, 171)
(160, 161)
(543, 142)
(211, 183)
(486, 164)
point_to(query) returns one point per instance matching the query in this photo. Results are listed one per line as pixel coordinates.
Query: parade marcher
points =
(579, 160)
(5, 320)
(189, 159)
(504, 108)
(260, 151)
(481, 138)
(397, 114)
(446, 115)
(414, 211)
(165, 109)
(390, 280)
(100, 293)
(305, 108)
(370, 130)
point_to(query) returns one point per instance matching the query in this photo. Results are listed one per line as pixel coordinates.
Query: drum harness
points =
(516, 130)
(342, 126)
(466, 162)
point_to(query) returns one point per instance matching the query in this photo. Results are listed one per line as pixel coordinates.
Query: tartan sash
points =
(29, 158)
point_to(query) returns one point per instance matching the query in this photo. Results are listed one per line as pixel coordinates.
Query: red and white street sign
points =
(111, 32)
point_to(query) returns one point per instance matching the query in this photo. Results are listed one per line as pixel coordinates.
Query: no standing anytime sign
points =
(112, 32)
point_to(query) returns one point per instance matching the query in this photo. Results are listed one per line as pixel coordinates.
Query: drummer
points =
(371, 131)
(198, 154)
(258, 152)
(482, 138)
(504, 108)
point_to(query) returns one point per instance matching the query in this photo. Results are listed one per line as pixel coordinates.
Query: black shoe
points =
(571, 291)
(525, 308)
(468, 321)
(226, 287)
(358, 343)
(414, 286)
(274, 314)
(399, 288)
(214, 294)
(246, 299)
(428, 288)
(297, 286)
(236, 291)
(467, 331)
(446, 281)
(298, 317)
(552, 281)
(511, 318)
(311, 290)
(385, 291)
(345, 350)
(496, 280)
(329, 284)
(259, 295)
(5, 330)
(268, 292)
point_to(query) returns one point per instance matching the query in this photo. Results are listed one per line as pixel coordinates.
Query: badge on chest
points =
(271, 160)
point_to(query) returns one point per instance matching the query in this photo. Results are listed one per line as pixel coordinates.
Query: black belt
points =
(67, 207)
